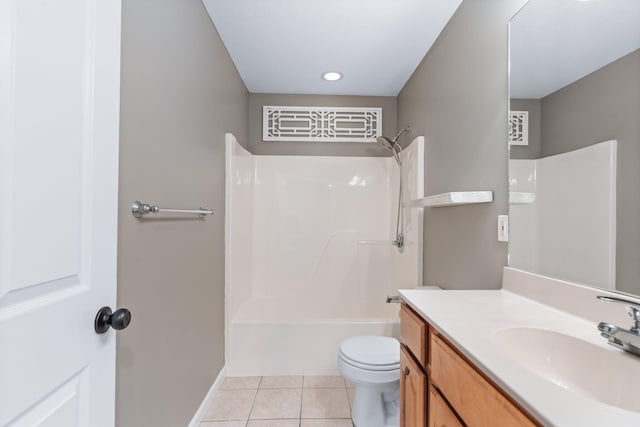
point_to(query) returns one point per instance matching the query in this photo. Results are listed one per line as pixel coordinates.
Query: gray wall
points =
(531, 151)
(601, 106)
(180, 94)
(457, 99)
(257, 100)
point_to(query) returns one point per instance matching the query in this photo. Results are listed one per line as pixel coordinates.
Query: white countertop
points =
(468, 319)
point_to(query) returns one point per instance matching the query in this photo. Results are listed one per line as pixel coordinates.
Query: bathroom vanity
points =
(520, 356)
(440, 387)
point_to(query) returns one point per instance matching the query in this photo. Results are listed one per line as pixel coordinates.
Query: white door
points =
(59, 100)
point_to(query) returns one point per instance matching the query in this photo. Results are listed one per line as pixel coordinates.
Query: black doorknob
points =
(105, 318)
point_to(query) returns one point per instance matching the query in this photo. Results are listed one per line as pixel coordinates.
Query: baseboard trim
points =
(202, 409)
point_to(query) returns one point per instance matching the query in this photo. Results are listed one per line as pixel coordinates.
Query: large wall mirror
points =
(574, 156)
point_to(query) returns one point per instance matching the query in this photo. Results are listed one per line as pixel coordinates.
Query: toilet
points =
(372, 363)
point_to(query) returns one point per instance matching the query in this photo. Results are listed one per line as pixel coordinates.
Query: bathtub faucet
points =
(392, 298)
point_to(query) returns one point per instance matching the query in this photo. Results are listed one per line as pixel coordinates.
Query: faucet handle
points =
(633, 309)
(634, 313)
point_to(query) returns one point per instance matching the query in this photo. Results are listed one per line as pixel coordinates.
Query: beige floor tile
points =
(230, 405)
(273, 404)
(240, 383)
(351, 392)
(350, 385)
(281, 382)
(325, 403)
(223, 424)
(324, 382)
(326, 423)
(274, 423)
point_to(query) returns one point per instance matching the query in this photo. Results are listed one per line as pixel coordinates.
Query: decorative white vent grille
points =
(518, 128)
(334, 124)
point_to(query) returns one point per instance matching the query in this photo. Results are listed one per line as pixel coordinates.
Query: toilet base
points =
(377, 405)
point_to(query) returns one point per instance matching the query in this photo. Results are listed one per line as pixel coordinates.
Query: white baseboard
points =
(202, 409)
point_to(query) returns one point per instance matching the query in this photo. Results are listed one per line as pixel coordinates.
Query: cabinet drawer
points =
(413, 331)
(413, 392)
(474, 398)
(439, 413)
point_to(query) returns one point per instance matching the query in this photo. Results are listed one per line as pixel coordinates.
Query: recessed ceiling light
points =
(332, 76)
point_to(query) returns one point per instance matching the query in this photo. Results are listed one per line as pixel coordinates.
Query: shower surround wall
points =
(310, 259)
(563, 215)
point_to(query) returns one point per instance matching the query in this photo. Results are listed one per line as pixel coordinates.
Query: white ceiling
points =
(283, 46)
(555, 42)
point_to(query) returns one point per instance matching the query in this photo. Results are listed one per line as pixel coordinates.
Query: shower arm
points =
(405, 130)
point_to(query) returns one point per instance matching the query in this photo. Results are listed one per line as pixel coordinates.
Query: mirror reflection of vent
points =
(321, 124)
(518, 128)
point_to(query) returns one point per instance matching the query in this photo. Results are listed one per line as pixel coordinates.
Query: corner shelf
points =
(453, 198)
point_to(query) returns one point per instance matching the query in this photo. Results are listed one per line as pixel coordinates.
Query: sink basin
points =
(607, 375)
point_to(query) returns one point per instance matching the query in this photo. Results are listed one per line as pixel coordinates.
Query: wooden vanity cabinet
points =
(440, 388)
(413, 389)
(413, 363)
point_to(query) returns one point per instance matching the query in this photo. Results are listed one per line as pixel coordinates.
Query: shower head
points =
(386, 143)
(392, 144)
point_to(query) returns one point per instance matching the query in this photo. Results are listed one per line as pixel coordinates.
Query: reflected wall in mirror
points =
(575, 188)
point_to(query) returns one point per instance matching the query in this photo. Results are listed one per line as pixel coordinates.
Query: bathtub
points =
(309, 259)
(266, 339)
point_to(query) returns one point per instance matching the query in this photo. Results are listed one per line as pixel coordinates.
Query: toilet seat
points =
(371, 353)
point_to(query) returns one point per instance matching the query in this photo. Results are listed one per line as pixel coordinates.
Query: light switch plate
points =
(503, 228)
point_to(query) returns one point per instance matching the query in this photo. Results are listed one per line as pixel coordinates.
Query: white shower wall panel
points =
(566, 227)
(309, 215)
(524, 247)
(238, 223)
(406, 266)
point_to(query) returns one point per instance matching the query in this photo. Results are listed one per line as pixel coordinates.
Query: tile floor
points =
(281, 402)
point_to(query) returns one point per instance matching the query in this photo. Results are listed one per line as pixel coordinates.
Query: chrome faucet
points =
(625, 339)
(393, 298)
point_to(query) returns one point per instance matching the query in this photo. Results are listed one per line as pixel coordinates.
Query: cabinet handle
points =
(406, 371)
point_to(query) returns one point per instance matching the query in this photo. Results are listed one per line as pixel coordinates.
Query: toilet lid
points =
(373, 351)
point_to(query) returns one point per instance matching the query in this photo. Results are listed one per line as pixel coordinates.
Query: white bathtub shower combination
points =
(309, 255)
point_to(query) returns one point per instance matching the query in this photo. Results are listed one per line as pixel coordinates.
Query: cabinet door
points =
(439, 413)
(413, 392)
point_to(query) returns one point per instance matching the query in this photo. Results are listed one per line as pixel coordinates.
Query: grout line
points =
(301, 400)
(253, 403)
